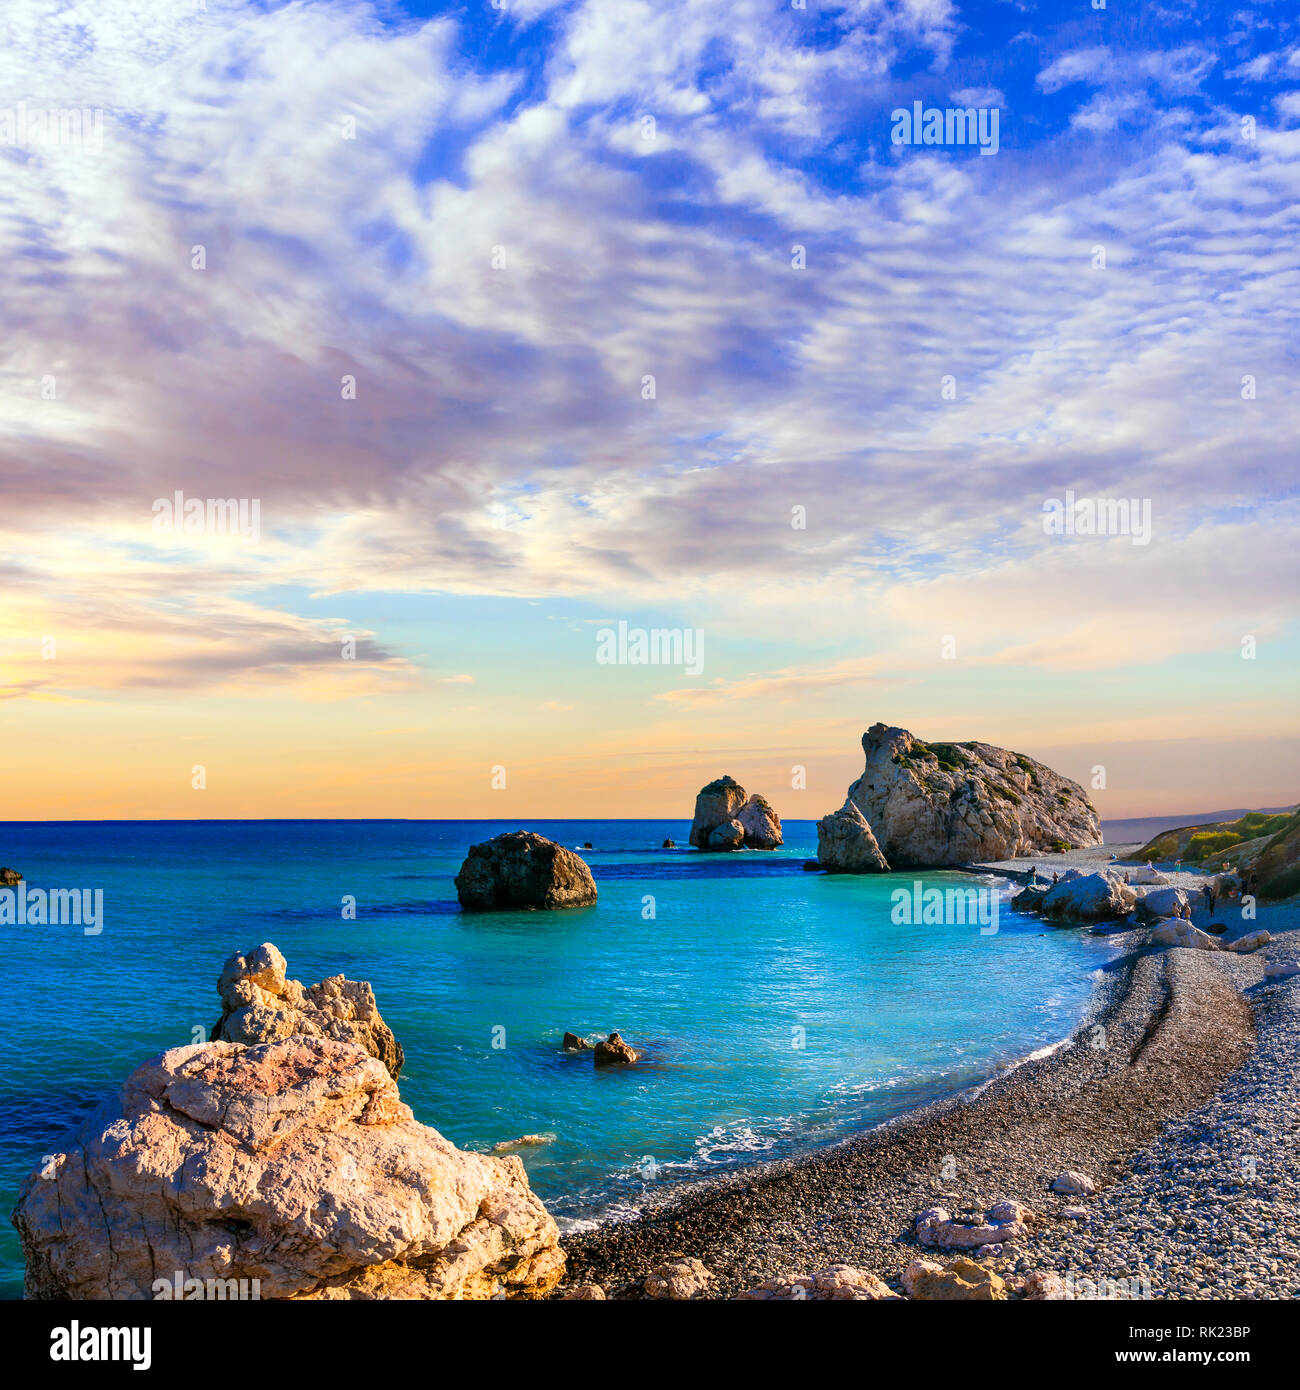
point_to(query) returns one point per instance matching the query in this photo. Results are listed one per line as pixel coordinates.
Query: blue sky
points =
(500, 224)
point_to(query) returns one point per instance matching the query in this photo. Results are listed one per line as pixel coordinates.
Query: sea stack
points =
(291, 1168)
(726, 819)
(929, 805)
(521, 870)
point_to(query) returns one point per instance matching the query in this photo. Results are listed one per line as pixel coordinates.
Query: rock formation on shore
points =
(726, 819)
(293, 1163)
(522, 870)
(260, 1005)
(928, 805)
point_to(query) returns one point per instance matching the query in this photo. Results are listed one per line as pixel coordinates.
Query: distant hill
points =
(1143, 828)
(1263, 843)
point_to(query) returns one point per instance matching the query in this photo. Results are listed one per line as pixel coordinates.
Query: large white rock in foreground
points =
(294, 1163)
(1099, 897)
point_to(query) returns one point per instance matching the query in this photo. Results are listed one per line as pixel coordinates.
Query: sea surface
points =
(777, 1010)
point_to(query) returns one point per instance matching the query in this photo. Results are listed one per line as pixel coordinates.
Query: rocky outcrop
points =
(960, 803)
(729, 835)
(293, 1163)
(845, 844)
(761, 824)
(839, 1283)
(10, 878)
(1008, 1220)
(958, 1281)
(520, 870)
(1099, 897)
(613, 1052)
(678, 1279)
(1161, 902)
(260, 1005)
(726, 819)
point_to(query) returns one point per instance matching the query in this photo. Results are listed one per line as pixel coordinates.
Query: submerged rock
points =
(845, 844)
(613, 1052)
(259, 1004)
(1029, 899)
(521, 870)
(294, 1163)
(961, 803)
(678, 1279)
(726, 819)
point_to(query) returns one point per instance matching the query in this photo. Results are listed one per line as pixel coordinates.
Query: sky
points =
(520, 321)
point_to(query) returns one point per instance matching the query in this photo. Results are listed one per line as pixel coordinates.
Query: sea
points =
(776, 1010)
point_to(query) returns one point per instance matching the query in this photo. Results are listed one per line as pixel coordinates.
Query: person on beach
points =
(1208, 894)
(1056, 878)
(1126, 877)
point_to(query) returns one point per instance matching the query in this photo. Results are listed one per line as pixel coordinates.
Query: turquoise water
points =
(742, 951)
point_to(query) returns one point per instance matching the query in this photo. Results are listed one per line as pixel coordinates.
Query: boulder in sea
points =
(961, 803)
(573, 1043)
(729, 835)
(845, 844)
(722, 804)
(678, 1279)
(613, 1052)
(259, 1004)
(520, 870)
(670, 844)
(9, 878)
(525, 1141)
(291, 1163)
(1098, 897)
(1074, 1184)
(1029, 899)
(959, 1281)
(839, 1283)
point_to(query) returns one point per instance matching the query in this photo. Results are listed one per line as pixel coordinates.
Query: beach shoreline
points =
(1167, 1035)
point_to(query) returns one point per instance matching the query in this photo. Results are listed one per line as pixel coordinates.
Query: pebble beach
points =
(1177, 1095)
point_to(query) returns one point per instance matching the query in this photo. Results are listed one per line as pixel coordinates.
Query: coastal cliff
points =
(927, 805)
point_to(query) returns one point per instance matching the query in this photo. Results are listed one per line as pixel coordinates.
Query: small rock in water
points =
(613, 1052)
(670, 844)
(678, 1279)
(573, 1043)
(525, 1141)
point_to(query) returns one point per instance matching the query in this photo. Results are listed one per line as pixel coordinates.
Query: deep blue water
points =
(742, 952)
